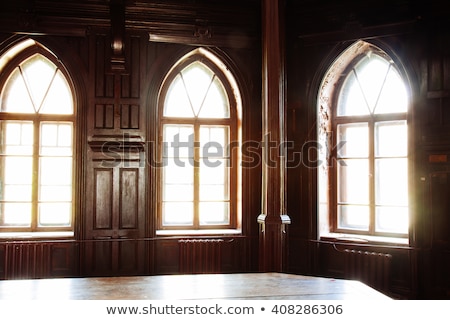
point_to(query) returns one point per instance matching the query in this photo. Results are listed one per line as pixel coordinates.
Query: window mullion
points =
(372, 176)
(35, 176)
(196, 164)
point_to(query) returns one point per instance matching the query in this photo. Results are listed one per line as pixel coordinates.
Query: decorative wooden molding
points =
(117, 12)
(116, 143)
(193, 22)
(273, 219)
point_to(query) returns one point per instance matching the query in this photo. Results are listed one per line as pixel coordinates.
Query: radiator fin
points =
(200, 255)
(371, 268)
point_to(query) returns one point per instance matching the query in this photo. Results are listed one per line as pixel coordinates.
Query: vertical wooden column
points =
(273, 219)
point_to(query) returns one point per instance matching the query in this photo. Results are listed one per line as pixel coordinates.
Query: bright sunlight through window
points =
(196, 131)
(36, 150)
(372, 165)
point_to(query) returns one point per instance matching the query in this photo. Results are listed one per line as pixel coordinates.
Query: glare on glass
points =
(351, 101)
(392, 219)
(16, 213)
(177, 102)
(56, 139)
(353, 180)
(178, 213)
(371, 73)
(18, 137)
(215, 213)
(373, 86)
(216, 103)
(352, 140)
(178, 141)
(18, 170)
(55, 214)
(391, 187)
(353, 217)
(174, 173)
(37, 86)
(213, 141)
(196, 92)
(391, 138)
(214, 182)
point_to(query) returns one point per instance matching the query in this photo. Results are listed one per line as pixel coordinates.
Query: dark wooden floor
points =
(209, 286)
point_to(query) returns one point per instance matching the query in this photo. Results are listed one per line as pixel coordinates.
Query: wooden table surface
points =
(203, 286)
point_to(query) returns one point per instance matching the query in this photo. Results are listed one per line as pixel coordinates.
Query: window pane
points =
(178, 142)
(214, 213)
(178, 192)
(351, 100)
(393, 97)
(391, 139)
(55, 193)
(213, 141)
(391, 186)
(59, 98)
(353, 217)
(17, 138)
(55, 171)
(15, 96)
(17, 170)
(178, 213)
(214, 182)
(56, 139)
(197, 79)
(353, 140)
(174, 173)
(353, 177)
(55, 214)
(177, 102)
(392, 219)
(216, 103)
(38, 72)
(16, 192)
(371, 73)
(16, 214)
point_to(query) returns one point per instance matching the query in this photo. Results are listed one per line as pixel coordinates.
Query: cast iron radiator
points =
(200, 255)
(371, 268)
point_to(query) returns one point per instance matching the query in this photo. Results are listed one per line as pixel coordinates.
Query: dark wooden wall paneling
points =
(23, 260)
(416, 32)
(115, 231)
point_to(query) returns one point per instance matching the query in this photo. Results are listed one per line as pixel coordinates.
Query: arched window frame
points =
(328, 120)
(16, 55)
(233, 122)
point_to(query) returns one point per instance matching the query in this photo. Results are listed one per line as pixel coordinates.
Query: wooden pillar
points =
(273, 219)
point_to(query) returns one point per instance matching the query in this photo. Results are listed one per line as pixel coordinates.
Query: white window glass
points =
(177, 102)
(196, 92)
(58, 99)
(215, 104)
(354, 217)
(393, 97)
(351, 98)
(352, 140)
(178, 213)
(214, 213)
(372, 166)
(36, 178)
(15, 96)
(353, 175)
(55, 213)
(392, 219)
(391, 139)
(196, 172)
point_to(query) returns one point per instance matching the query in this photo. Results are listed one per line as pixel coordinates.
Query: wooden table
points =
(205, 286)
